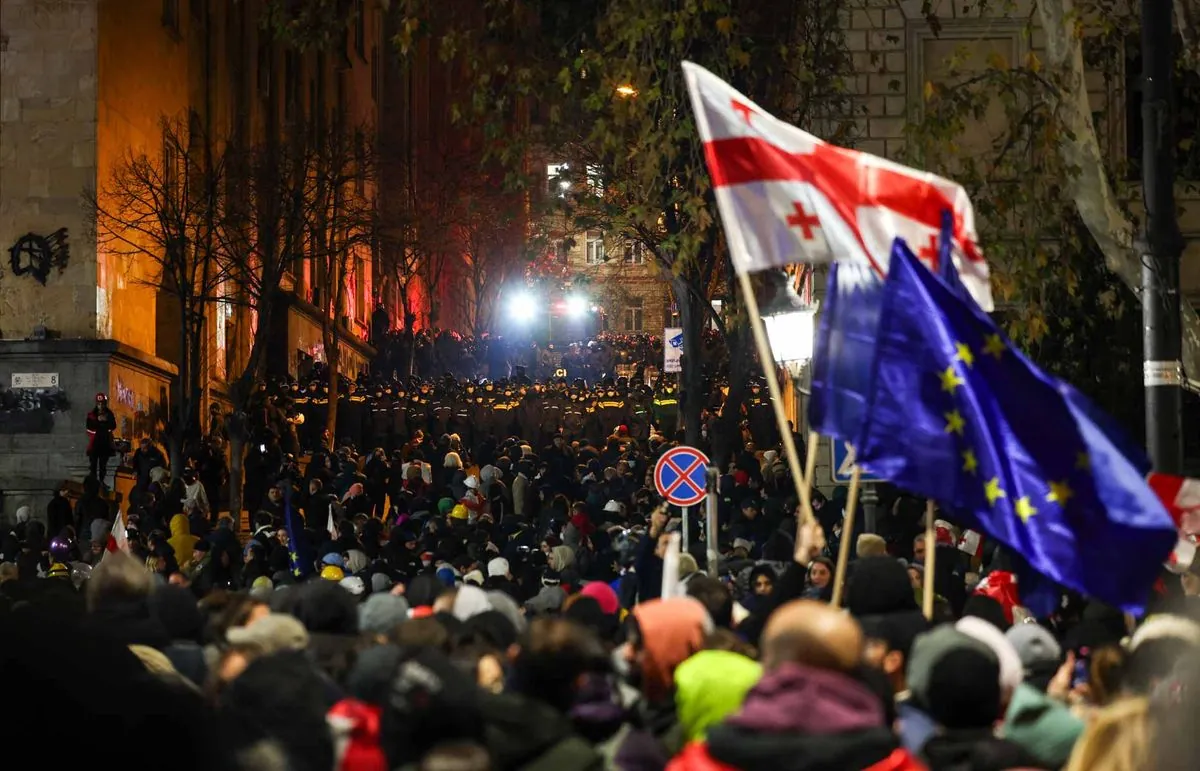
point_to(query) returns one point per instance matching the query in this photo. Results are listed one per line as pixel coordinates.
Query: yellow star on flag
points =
(954, 422)
(1083, 462)
(993, 491)
(964, 354)
(993, 345)
(950, 379)
(1060, 493)
(1025, 509)
(293, 555)
(969, 462)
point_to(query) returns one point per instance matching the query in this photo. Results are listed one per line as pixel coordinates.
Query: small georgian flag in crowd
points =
(971, 542)
(1181, 497)
(118, 539)
(786, 196)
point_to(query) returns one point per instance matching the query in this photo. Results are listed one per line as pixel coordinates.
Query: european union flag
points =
(300, 556)
(845, 345)
(844, 350)
(958, 415)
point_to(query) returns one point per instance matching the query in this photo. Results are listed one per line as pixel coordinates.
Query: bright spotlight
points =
(523, 307)
(577, 306)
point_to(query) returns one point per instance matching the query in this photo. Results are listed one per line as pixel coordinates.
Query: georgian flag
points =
(1181, 497)
(786, 196)
(118, 539)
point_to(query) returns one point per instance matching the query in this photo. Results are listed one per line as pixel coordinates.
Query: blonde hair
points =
(118, 577)
(1119, 737)
(870, 545)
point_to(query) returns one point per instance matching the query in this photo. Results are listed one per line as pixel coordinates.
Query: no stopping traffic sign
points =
(681, 476)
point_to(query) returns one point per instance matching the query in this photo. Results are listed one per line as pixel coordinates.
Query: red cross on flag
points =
(786, 196)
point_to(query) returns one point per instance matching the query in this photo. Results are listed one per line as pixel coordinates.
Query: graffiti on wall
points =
(139, 415)
(36, 255)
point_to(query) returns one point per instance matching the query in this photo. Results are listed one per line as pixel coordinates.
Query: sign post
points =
(681, 476)
(842, 463)
(672, 349)
(870, 504)
(714, 557)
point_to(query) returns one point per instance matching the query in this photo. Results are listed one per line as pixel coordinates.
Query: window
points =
(375, 73)
(170, 16)
(360, 288)
(557, 180)
(1185, 102)
(360, 162)
(170, 169)
(360, 29)
(265, 63)
(314, 111)
(594, 245)
(595, 181)
(632, 317)
(291, 84)
(635, 253)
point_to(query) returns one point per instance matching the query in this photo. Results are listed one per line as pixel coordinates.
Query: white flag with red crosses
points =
(786, 196)
(1181, 497)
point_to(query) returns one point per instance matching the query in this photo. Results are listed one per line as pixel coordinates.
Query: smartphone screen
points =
(1082, 667)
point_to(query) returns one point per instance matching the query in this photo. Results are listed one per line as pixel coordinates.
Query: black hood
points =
(756, 751)
(520, 731)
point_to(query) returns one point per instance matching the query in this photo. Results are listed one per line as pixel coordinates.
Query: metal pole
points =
(870, 506)
(714, 555)
(686, 528)
(1162, 246)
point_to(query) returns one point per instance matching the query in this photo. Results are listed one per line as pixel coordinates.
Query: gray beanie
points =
(381, 613)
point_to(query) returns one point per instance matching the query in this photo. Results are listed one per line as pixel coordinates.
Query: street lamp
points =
(523, 306)
(790, 322)
(626, 91)
(577, 306)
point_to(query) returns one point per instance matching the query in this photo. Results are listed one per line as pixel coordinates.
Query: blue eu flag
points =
(955, 413)
(300, 556)
(845, 344)
(844, 350)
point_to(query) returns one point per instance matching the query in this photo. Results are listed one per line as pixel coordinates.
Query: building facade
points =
(86, 85)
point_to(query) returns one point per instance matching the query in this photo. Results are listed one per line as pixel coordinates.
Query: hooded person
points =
(709, 687)
(810, 710)
(661, 636)
(958, 679)
(182, 541)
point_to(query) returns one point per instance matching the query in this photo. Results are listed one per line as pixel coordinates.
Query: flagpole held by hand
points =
(930, 562)
(839, 575)
(767, 359)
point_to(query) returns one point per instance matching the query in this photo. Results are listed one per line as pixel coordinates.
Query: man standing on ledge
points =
(101, 423)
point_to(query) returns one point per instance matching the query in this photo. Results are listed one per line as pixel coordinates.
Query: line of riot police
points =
(389, 414)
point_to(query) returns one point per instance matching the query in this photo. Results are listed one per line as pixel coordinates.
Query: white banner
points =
(672, 349)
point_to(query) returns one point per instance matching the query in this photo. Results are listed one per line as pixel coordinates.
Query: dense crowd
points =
(488, 589)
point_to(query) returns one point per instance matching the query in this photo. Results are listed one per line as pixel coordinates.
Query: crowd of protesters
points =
(487, 593)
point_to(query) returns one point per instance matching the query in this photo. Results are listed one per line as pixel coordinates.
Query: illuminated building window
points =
(594, 243)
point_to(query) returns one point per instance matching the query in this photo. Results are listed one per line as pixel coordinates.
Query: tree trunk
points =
(1092, 193)
(728, 433)
(333, 360)
(179, 394)
(692, 318)
(235, 426)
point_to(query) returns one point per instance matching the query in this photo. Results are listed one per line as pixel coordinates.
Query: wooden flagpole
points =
(839, 575)
(930, 562)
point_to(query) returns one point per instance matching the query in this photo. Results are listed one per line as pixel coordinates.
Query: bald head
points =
(812, 633)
